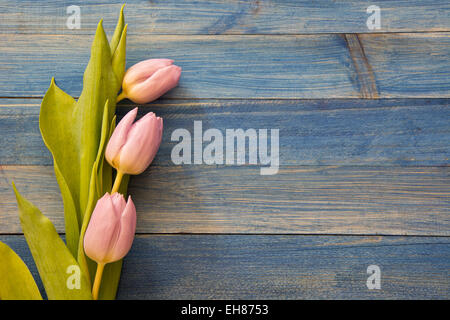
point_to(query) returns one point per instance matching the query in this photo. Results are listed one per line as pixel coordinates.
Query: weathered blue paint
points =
(227, 16)
(312, 132)
(278, 267)
(348, 166)
(230, 199)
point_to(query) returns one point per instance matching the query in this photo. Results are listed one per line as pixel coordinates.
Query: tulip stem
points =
(120, 97)
(117, 182)
(98, 280)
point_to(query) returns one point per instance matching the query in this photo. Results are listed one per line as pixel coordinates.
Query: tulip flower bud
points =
(111, 229)
(133, 146)
(148, 80)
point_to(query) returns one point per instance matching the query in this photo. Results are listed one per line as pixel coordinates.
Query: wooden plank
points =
(213, 66)
(364, 71)
(409, 65)
(288, 67)
(227, 16)
(231, 199)
(278, 267)
(312, 132)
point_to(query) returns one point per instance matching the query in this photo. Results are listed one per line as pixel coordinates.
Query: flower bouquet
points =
(92, 160)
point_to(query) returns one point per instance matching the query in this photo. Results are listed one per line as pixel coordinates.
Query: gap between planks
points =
(237, 234)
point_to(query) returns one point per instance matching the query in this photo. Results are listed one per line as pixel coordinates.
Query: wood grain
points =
(244, 66)
(227, 16)
(213, 66)
(278, 267)
(364, 123)
(366, 77)
(401, 66)
(231, 199)
(312, 132)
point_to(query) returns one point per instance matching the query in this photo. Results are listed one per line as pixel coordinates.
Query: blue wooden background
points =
(364, 123)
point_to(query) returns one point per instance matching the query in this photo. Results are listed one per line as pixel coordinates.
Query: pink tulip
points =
(148, 80)
(110, 232)
(133, 146)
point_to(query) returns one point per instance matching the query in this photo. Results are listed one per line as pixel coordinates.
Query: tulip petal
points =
(119, 137)
(127, 231)
(142, 144)
(102, 230)
(143, 70)
(118, 202)
(159, 83)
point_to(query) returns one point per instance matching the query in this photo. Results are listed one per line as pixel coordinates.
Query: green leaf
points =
(99, 84)
(105, 173)
(76, 133)
(55, 119)
(110, 281)
(16, 281)
(111, 274)
(94, 193)
(50, 254)
(118, 59)
(118, 47)
(118, 32)
(72, 130)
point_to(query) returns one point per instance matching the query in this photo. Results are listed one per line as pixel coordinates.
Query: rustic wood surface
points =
(247, 66)
(278, 267)
(364, 122)
(347, 166)
(402, 132)
(227, 16)
(298, 200)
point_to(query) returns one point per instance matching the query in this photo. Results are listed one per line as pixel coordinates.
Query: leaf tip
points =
(100, 27)
(121, 16)
(123, 36)
(52, 84)
(16, 192)
(106, 104)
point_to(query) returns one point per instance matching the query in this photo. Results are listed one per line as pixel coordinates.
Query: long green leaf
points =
(72, 130)
(76, 133)
(100, 84)
(118, 58)
(118, 32)
(111, 274)
(55, 119)
(16, 281)
(53, 259)
(94, 193)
